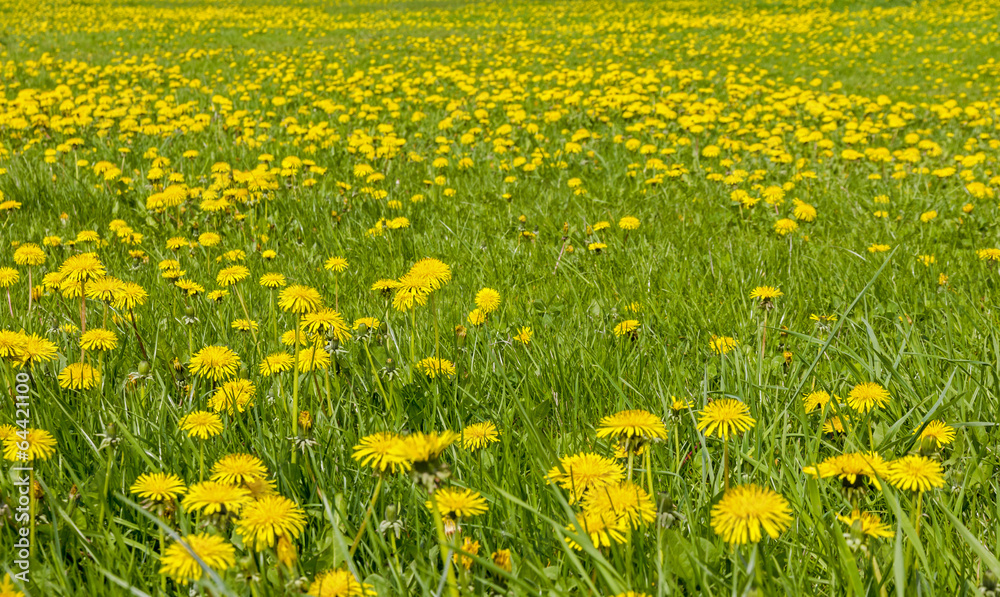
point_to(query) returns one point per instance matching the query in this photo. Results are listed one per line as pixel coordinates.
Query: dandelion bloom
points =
(766, 293)
(458, 503)
(628, 223)
(743, 511)
(867, 523)
(834, 425)
(989, 254)
(188, 287)
(181, 565)
(326, 321)
(488, 300)
(29, 254)
(471, 547)
(423, 447)
(41, 446)
(212, 497)
(626, 500)
(939, 431)
(78, 376)
(339, 583)
(234, 396)
(785, 226)
(725, 417)
(8, 277)
(278, 362)
(479, 435)
(299, 299)
(853, 469)
(336, 264)
(432, 272)
(501, 558)
(816, 400)
(722, 344)
(201, 423)
(524, 335)
(36, 349)
(232, 275)
(130, 296)
(476, 317)
(632, 423)
(866, 396)
(434, 367)
(82, 267)
(381, 451)
(11, 344)
(270, 517)
(581, 472)
(629, 327)
(604, 530)
(272, 280)
(215, 363)
(915, 473)
(158, 487)
(105, 288)
(238, 469)
(98, 339)
(314, 359)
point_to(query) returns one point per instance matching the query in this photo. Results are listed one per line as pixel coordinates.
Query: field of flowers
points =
(424, 297)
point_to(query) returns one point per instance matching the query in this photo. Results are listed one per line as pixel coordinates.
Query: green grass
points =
(690, 268)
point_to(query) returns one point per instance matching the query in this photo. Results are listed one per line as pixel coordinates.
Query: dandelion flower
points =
(272, 280)
(29, 254)
(866, 396)
(234, 396)
(626, 500)
(263, 521)
(725, 417)
(479, 435)
(158, 487)
(336, 264)
(8, 277)
(867, 523)
(632, 424)
(524, 335)
(36, 349)
(201, 424)
(41, 446)
(915, 473)
(98, 339)
(604, 529)
(628, 223)
(722, 344)
(381, 451)
(940, 432)
(212, 497)
(423, 447)
(278, 362)
(215, 363)
(78, 376)
(816, 400)
(581, 472)
(339, 583)
(232, 275)
(853, 469)
(456, 503)
(629, 327)
(434, 367)
(488, 300)
(82, 267)
(180, 564)
(299, 299)
(743, 511)
(238, 469)
(476, 317)
(766, 294)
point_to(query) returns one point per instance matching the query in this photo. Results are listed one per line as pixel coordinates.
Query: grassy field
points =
(655, 298)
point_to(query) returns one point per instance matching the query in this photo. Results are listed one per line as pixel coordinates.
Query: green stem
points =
(725, 464)
(368, 514)
(443, 546)
(295, 386)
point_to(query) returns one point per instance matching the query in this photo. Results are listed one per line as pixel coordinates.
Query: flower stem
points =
(443, 547)
(368, 514)
(725, 465)
(295, 386)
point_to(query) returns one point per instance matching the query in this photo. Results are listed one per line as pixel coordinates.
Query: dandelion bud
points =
(460, 334)
(305, 420)
(362, 329)
(144, 368)
(928, 446)
(189, 311)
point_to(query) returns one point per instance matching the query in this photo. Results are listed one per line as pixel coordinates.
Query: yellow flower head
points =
(744, 511)
(725, 417)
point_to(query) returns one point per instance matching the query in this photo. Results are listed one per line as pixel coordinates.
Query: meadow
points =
(425, 297)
